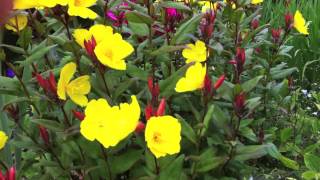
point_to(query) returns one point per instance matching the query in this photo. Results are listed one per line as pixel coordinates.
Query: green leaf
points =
(208, 161)
(311, 175)
(174, 170)
(181, 36)
(207, 119)
(49, 124)
(139, 29)
(122, 163)
(252, 83)
(280, 74)
(166, 49)
(37, 56)
(187, 130)
(138, 17)
(136, 72)
(289, 163)
(285, 134)
(9, 86)
(123, 87)
(244, 153)
(14, 49)
(25, 38)
(312, 162)
(176, 5)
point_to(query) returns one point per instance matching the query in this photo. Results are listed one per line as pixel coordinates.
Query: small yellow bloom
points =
(256, 1)
(112, 51)
(17, 23)
(81, 8)
(163, 135)
(206, 6)
(193, 80)
(109, 125)
(76, 89)
(3, 139)
(98, 31)
(300, 23)
(195, 52)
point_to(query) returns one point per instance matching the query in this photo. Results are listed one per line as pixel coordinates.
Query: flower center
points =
(108, 53)
(157, 137)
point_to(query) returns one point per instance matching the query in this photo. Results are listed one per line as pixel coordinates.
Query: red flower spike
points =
(207, 85)
(276, 33)
(239, 103)
(148, 111)
(52, 83)
(140, 127)
(44, 134)
(241, 56)
(162, 107)
(219, 82)
(289, 20)
(90, 45)
(12, 173)
(153, 88)
(254, 24)
(79, 115)
(1, 176)
(42, 82)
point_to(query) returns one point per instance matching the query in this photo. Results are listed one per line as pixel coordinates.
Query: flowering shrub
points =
(142, 89)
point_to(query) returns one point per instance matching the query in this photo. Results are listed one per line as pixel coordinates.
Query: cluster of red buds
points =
(239, 62)
(90, 45)
(79, 115)
(239, 104)
(255, 23)
(289, 21)
(172, 18)
(10, 174)
(49, 84)
(208, 88)
(207, 24)
(276, 33)
(44, 134)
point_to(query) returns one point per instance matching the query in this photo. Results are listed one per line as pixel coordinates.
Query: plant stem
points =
(66, 119)
(157, 170)
(104, 153)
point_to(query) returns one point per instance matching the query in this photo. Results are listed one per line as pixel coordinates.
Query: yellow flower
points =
(195, 52)
(3, 139)
(256, 1)
(76, 89)
(28, 4)
(17, 23)
(193, 80)
(109, 125)
(112, 51)
(300, 23)
(163, 135)
(206, 6)
(98, 31)
(81, 8)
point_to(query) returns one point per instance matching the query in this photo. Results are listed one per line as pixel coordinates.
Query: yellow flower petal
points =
(112, 51)
(101, 32)
(82, 12)
(256, 1)
(193, 80)
(78, 88)
(163, 135)
(65, 76)
(82, 3)
(17, 23)
(81, 35)
(25, 4)
(3, 139)
(300, 23)
(195, 52)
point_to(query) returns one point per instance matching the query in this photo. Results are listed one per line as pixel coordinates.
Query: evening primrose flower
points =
(300, 23)
(193, 80)
(3, 139)
(112, 51)
(109, 125)
(81, 8)
(28, 4)
(17, 23)
(163, 135)
(195, 52)
(76, 89)
(98, 31)
(256, 1)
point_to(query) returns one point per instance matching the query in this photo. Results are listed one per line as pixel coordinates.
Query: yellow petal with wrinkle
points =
(193, 80)
(17, 23)
(66, 74)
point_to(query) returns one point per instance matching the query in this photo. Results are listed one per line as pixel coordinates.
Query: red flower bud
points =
(79, 115)
(162, 107)
(289, 20)
(241, 56)
(52, 83)
(49, 85)
(44, 134)
(153, 88)
(11, 174)
(207, 85)
(140, 127)
(239, 103)
(148, 111)
(219, 82)
(41, 81)
(207, 24)
(254, 23)
(1, 176)
(276, 34)
(90, 45)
